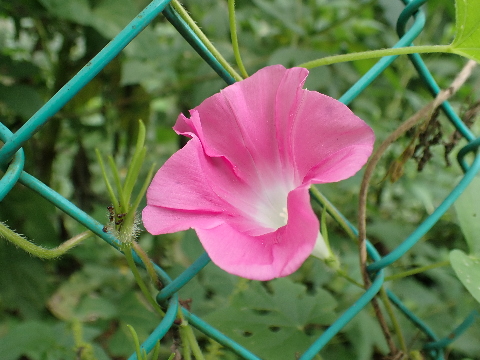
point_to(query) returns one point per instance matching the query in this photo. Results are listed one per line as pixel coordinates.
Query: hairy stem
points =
(39, 251)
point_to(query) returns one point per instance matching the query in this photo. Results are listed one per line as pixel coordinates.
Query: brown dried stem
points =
(423, 113)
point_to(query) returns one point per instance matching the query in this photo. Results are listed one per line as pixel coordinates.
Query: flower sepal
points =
(322, 249)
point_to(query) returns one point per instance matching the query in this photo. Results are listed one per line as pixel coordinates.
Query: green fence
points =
(12, 161)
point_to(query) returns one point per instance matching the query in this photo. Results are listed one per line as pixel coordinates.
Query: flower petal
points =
(239, 123)
(159, 220)
(181, 184)
(242, 180)
(178, 200)
(191, 184)
(329, 142)
(288, 96)
(268, 256)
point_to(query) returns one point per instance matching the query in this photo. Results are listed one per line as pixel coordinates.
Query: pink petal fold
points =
(242, 180)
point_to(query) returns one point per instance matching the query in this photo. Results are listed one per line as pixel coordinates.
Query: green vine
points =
(37, 250)
(189, 341)
(417, 270)
(233, 33)
(374, 54)
(83, 350)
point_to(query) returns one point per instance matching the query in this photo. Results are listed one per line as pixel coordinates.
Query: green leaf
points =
(275, 324)
(22, 99)
(467, 269)
(93, 307)
(366, 336)
(134, 71)
(18, 69)
(283, 14)
(133, 313)
(74, 10)
(74, 299)
(23, 281)
(110, 16)
(467, 208)
(38, 341)
(467, 37)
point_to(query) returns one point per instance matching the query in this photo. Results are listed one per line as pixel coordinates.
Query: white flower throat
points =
(284, 215)
(272, 210)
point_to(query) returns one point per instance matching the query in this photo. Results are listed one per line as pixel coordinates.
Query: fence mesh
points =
(12, 161)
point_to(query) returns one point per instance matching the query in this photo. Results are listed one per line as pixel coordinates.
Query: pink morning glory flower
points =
(242, 179)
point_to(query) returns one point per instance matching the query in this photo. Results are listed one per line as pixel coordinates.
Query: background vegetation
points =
(43, 43)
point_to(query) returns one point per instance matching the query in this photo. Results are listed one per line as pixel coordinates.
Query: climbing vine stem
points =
(233, 33)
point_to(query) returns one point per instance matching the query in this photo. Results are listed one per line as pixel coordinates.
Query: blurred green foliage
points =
(43, 43)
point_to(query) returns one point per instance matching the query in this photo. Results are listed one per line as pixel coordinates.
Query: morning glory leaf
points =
(467, 37)
(467, 208)
(278, 322)
(467, 269)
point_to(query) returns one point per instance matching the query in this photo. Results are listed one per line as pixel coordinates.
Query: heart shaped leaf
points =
(278, 322)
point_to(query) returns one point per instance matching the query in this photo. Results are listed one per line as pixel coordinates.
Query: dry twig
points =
(423, 113)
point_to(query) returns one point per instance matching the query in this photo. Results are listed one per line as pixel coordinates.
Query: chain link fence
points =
(12, 161)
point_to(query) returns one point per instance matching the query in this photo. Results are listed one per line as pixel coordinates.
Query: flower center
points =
(272, 210)
(284, 215)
